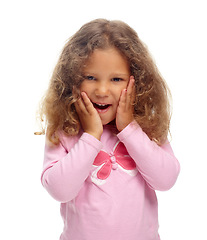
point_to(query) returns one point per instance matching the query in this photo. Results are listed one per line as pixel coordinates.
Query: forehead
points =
(107, 59)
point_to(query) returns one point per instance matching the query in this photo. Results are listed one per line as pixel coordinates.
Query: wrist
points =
(129, 130)
(94, 134)
(123, 125)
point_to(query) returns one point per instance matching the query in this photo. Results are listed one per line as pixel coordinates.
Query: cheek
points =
(118, 95)
(84, 87)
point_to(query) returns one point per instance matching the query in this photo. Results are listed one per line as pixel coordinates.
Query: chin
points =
(113, 122)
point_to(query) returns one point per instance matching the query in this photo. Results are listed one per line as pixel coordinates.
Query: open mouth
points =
(101, 106)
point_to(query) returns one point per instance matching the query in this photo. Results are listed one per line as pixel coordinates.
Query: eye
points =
(117, 79)
(90, 77)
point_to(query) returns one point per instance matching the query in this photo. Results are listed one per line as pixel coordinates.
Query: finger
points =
(130, 86)
(80, 107)
(88, 104)
(130, 92)
(122, 100)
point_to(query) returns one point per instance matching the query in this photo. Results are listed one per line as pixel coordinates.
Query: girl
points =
(107, 151)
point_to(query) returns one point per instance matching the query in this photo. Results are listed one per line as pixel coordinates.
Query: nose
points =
(102, 90)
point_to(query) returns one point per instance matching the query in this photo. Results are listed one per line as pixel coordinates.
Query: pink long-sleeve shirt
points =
(107, 187)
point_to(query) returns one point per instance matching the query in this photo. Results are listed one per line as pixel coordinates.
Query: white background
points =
(32, 36)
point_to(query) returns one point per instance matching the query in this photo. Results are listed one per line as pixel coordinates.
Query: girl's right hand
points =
(89, 118)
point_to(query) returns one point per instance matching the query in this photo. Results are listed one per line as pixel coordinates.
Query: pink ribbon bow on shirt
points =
(120, 156)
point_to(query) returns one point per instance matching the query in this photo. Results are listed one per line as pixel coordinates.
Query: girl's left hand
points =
(125, 110)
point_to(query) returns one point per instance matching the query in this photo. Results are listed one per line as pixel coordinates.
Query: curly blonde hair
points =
(151, 107)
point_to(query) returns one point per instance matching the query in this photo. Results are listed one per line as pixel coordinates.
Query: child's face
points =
(106, 75)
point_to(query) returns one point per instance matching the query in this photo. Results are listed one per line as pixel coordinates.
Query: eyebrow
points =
(113, 74)
(120, 74)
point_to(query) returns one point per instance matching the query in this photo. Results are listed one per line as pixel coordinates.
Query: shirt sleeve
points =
(65, 170)
(157, 164)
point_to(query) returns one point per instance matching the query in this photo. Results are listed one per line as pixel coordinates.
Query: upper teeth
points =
(101, 105)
